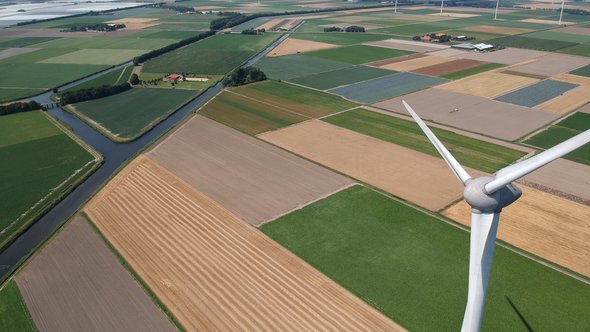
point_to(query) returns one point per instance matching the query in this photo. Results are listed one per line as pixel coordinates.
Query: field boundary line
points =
(269, 104)
(347, 110)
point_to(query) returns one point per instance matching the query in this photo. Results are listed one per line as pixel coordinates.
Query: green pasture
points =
(584, 71)
(24, 42)
(560, 36)
(129, 43)
(357, 54)
(563, 130)
(389, 22)
(248, 115)
(524, 25)
(114, 77)
(215, 55)
(14, 315)
(531, 43)
(168, 34)
(580, 50)
(469, 152)
(7, 94)
(291, 66)
(96, 57)
(413, 267)
(43, 75)
(128, 115)
(37, 157)
(411, 30)
(472, 71)
(479, 36)
(37, 56)
(341, 38)
(339, 77)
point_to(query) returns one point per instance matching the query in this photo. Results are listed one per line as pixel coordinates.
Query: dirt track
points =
(77, 284)
(294, 46)
(252, 179)
(545, 225)
(213, 271)
(413, 176)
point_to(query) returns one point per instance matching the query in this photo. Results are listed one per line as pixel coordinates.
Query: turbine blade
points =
(520, 169)
(442, 150)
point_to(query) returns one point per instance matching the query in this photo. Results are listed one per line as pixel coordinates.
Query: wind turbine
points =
(487, 195)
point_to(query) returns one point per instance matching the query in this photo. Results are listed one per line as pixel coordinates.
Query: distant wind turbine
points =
(561, 12)
(442, 2)
(487, 195)
(496, 13)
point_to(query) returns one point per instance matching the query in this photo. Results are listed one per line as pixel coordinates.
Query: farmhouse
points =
(173, 78)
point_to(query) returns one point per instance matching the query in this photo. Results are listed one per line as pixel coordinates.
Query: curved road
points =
(115, 156)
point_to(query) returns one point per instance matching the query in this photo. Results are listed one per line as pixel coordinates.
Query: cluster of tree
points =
(253, 31)
(21, 106)
(435, 38)
(96, 27)
(180, 9)
(576, 11)
(152, 54)
(352, 28)
(77, 96)
(134, 79)
(243, 76)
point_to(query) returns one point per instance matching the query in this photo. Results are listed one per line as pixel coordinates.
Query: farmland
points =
(126, 116)
(532, 43)
(584, 71)
(340, 77)
(291, 66)
(189, 250)
(358, 54)
(434, 257)
(563, 130)
(538, 93)
(488, 85)
(40, 163)
(114, 77)
(472, 71)
(14, 315)
(470, 152)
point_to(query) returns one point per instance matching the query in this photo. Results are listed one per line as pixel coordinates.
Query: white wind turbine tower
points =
(487, 195)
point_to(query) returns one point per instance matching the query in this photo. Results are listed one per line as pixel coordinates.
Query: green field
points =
(248, 115)
(43, 75)
(358, 54)
(96, 57)
(339, 77)
(212, 56)
(114, 77)
(126, 116)
(291, 66)
(584, 71)
(469, 152)
(341, 38)
(14, 315)
(472, 71)
(7, 94)
(37, 157)
(414, 268)
(563, 130)
(24, 42)
(531, 43)
(130, 43)
(580, 50)
(560, 36)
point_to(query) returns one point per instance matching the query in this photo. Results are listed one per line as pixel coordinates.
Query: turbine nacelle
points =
(476, 196)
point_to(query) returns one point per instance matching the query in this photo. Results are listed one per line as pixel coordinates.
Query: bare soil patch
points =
(488, 84)
(413, 64)
(419, 178)
(552, 64)
(472, 113)
(213, 271)
(136, 23)
(385, 62)
(454, 15)
(77, 284)
(507, 56)
(542, 224)
(542, 21)
(574, 30)
(498, 29)
(294, 46)
(408, 45)
(254, 180)
(7, 53)
(270, 24)
(564, 176)
(449, 67)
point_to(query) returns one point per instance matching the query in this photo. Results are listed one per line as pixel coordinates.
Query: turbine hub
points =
(480, 201)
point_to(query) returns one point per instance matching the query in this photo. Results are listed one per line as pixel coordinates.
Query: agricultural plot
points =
(445, 68)
(408, 45)
(96, 57)
(559, 36)
(470, 152)
(472, 113)
(545, 225)
(500, 30)
(293, 46)
(249, 115)
(340, 38)
(563, 130)
(47, 75)
(216, 55)
(583, 71)
(488, 85)
(385, 87)
(14, 51)
(128, 115)
(129, 43)
(531, 43)
(250, 178)
(405, 173)
(572, 99)
(552, 64)
(14, 315)
(579, 50)
(76, 283)
(40, 163)
(291, 66)
(212, 270)
(430, 291)
(340, 77)
(24, 42)
(508, 56)
(358, 54)
(537, 93)
(564, 178)
(416, 63)
(114, 77)
(472, 71)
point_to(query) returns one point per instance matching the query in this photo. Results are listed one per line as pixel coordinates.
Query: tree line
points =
(77, 96)
(243, 76)
(152, 54)
(21, 106)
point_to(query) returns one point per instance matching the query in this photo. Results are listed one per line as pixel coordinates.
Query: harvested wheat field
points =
(544, 225)
(419, 178)
(136, 23)
(449, 67)
(542, 21)
(413, 64)
(213, 271)
(564, 178)
(488, 85)
(507, 56)
(270, 24)
(476, 114)
(498, 30)
(254, 180)
(77, 284)
(552, 64)
(294, 46)
(408, 45)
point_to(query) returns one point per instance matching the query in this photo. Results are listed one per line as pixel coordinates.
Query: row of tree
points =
(352, 28)
(95, 27)
(152, 54)
(77, 96)
(243, 76)
(21, 106)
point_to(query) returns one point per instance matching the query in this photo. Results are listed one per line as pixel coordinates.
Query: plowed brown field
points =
(213, 271)
(545, 225)
(293, 46)
(449, 67)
